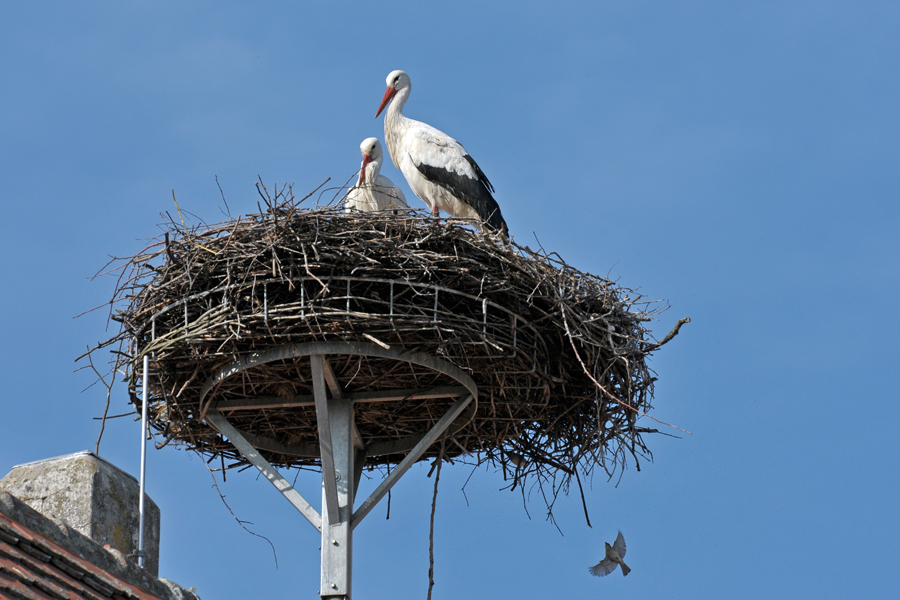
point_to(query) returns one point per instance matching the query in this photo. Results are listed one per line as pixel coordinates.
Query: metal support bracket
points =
(414, 455)
(251, 454)
(323, 419)
(341, 448)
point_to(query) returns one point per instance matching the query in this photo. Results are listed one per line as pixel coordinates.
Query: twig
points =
(239, 521)
(312, 192)
(223, 197)
(668, 337)
(603, 389)
(108, 387)
(437, 478)
(583, 502)
(105, 417)
(187, 234)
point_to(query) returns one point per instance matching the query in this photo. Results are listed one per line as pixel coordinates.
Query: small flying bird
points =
(614, 555)
(437, 167)
(517, 459)
(373, 191)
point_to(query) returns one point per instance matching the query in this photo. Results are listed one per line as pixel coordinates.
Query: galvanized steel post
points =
(141, 519)
(337, 534)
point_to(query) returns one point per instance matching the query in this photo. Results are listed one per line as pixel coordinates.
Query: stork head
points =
(371, 153)
(396, 81)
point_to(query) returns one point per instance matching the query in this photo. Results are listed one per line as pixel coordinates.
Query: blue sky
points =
(740, 161)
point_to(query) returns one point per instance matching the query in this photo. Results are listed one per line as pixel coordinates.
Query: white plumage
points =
(436, 166)
(373, 191)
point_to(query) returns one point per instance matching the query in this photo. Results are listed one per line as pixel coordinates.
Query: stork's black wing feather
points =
(481, 176)
(444, 162)
(474, 192)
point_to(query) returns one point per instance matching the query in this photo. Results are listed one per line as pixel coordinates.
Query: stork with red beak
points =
(436, 166)
(373, 191)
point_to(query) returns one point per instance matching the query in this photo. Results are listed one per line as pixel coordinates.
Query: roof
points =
(43, 559)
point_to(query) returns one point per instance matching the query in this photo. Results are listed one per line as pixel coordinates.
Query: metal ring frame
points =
(517, 319)
(309, 348)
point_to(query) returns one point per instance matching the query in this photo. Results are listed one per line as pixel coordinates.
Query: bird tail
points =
(625, 568)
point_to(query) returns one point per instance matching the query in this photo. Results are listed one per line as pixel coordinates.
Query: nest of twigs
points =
(559, 356)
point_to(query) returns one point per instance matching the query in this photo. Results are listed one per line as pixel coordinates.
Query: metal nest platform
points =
(412, 314)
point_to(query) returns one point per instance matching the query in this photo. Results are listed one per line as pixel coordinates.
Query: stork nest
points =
(559, 356)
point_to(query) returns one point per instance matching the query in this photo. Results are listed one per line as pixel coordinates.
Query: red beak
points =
(362, 170)
(388, 94)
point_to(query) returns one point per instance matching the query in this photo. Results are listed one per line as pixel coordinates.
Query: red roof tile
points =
(34, 567)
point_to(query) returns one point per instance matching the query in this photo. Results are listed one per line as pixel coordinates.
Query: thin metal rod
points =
(141, 515)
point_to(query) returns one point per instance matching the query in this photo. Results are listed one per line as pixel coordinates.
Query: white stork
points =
(373, 191)
(437, 167)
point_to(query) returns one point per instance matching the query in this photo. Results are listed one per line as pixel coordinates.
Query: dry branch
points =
(559, 355)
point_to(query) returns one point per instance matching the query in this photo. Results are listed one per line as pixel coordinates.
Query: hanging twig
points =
(387, 516)
(239, 521)
(437, 478)
(108, 387)
(583, 502)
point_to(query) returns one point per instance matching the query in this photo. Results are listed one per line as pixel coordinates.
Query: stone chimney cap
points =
(73, 455)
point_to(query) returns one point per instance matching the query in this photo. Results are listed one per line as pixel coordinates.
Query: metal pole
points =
(140, 552)
(337, 533)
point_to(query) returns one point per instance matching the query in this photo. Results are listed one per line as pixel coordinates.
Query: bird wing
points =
(398, 200)
(353, 199)
(619, 545)
(442, 149)
(387, 187)
(603, 568)
(444, 162)
(437, 148)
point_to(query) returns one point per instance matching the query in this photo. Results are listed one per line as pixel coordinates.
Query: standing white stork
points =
(437, 167)
(373, 191)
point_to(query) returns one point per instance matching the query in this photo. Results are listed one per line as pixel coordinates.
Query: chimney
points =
(91, 496)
